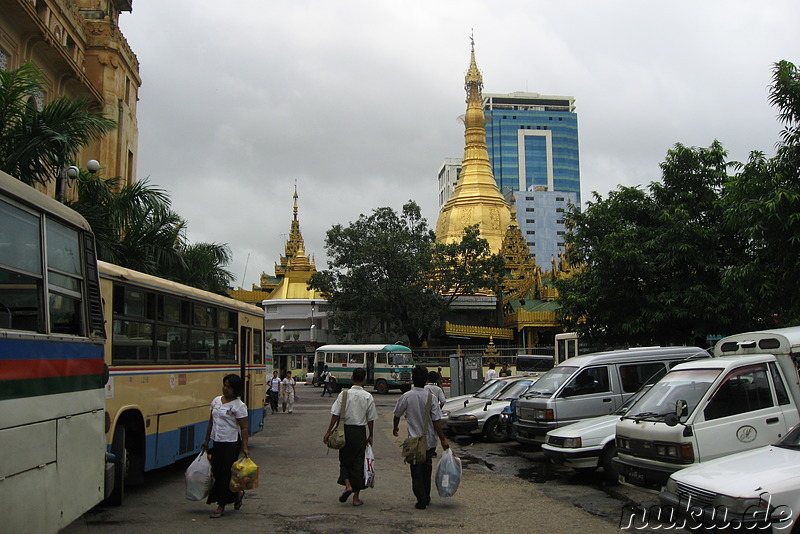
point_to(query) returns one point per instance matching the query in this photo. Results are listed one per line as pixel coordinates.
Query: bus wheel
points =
(120, 466)
(382, 387)
(335, 386)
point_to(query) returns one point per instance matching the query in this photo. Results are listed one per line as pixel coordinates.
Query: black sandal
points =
(345, 495)
(238, 502)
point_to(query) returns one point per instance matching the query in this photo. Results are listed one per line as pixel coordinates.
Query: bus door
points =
(370, 368)
(245, 339)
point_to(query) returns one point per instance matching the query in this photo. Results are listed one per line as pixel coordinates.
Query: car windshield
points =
(622, 410)
(533, 364)
(493, 389)
(549, 382)
(400, 358)
(689, 385)
(792, 439)
(514, 390)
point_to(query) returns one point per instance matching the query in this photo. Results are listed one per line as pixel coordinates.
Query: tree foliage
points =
(387, 275)
(135, 227)
(37, 145)
(710, 249)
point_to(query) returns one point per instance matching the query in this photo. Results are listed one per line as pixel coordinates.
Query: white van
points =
(744, 398)
(591, 385)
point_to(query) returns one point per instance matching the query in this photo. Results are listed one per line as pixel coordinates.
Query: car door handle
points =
(772, 420)
(606, 400)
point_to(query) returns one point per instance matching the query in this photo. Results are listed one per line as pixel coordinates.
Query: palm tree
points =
(36, 145)
(135, 227)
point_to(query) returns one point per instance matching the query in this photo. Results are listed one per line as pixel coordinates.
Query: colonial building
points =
(78, 46)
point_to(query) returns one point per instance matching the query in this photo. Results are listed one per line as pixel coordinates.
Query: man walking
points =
(413, 404)
(326, 382)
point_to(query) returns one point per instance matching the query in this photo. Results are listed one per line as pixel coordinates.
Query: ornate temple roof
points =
(295, 267)
(476, 199)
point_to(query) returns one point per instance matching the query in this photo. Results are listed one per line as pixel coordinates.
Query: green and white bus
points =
(388, 366)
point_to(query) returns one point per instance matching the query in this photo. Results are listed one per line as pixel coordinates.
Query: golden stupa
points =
(476, 199)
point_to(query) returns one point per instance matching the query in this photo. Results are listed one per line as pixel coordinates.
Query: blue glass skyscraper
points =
(533, 141)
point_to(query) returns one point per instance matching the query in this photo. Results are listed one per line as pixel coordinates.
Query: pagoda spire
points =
(476, 198)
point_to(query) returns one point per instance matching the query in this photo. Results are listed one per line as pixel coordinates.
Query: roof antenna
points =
(245, 269)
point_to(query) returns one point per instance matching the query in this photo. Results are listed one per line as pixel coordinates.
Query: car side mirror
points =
(466, 401)
(486, 406)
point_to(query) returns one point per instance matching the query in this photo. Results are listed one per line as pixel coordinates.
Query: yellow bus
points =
(168, 346)
(53, 461)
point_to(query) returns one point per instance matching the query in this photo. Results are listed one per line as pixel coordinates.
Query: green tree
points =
(36, 146)
(654, 260)
(387, 275)
(762, 205)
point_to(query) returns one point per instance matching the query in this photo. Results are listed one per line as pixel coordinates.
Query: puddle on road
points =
(471, 462)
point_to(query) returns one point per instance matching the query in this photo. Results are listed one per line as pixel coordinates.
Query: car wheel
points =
(609, 473)
(382, 387)
(493, 430)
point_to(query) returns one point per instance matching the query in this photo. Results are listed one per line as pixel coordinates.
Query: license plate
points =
(634, 476)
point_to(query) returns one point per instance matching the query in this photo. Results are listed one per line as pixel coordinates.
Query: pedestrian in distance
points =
(227, 428)
(288, 386)
(505, 371)
(413, 404)
(274, 391)
(433, 387)
(358, 420)
(490, 374)
(326, 382)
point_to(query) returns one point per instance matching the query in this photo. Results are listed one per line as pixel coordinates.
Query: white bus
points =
(53, 464)
(388, 366)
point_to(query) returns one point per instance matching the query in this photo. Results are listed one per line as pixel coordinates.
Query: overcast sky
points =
(357, 102)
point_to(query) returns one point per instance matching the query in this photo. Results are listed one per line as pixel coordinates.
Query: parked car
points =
(457, 402)
(749, 490)
(589, 444)
(591, 385)
(482, 415)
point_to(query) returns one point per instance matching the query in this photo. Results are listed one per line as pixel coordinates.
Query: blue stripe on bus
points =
(164, 449)
(46, 349)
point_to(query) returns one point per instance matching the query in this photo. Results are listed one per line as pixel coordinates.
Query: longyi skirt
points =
(351, 456)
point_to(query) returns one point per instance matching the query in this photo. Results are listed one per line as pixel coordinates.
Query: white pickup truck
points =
(746, 397)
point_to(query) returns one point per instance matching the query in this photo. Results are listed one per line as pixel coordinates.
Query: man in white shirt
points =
(358, 417)
(413, 405)
(433, 387)
(490, 374)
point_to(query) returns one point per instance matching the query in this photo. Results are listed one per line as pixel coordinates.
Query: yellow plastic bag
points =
(244, 475)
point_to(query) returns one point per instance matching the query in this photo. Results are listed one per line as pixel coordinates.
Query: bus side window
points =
(381, 358)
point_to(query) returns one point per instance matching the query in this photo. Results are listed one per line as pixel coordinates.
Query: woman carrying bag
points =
(357, 417)
(227, 428)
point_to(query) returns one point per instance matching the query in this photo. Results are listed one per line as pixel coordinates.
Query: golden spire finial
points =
(295, 200)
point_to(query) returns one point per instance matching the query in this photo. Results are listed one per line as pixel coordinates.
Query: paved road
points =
(504, 489)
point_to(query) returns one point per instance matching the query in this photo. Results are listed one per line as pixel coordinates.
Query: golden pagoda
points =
(476, 199)
(291, 274)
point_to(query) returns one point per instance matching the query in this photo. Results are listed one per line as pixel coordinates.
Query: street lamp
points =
(69, 174)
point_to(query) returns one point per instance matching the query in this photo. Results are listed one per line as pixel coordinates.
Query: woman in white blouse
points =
(227, 428)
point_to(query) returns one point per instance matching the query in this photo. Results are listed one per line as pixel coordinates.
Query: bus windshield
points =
(400, 358)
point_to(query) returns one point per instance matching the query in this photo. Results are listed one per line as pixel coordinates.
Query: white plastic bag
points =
(369, 467)
(199, 478)
(448, 474)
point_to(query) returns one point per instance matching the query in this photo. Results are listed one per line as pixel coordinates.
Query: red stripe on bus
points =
(47, 368)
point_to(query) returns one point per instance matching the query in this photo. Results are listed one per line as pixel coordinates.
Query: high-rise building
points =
(540, 215)
(532, 141)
